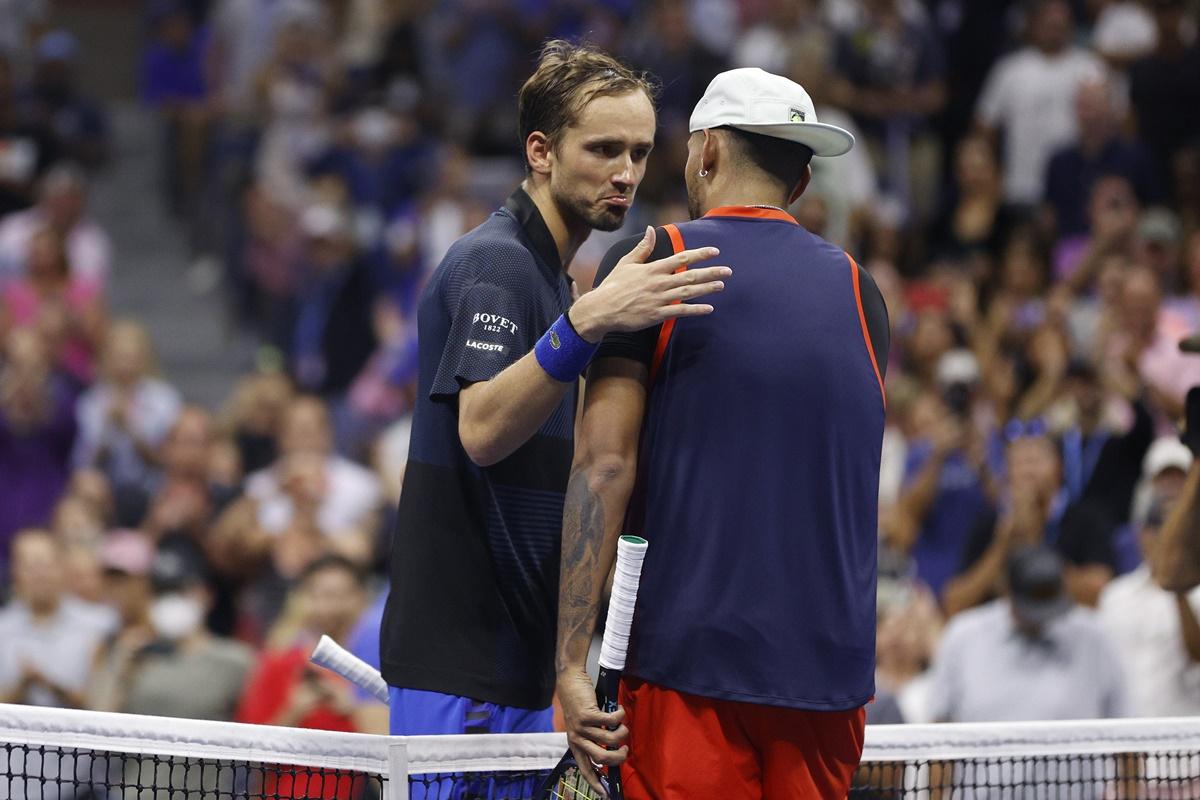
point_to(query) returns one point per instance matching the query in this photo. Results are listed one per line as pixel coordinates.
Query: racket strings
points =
(574, 787)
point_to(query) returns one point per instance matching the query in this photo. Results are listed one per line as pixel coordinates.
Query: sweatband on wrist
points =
(562, 352)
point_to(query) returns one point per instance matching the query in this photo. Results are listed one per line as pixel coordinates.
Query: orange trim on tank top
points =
(752, 212)
(862, 319)
(664, 334)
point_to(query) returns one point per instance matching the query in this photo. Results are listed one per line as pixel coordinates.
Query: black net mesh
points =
(51, 773)
(1102, 776)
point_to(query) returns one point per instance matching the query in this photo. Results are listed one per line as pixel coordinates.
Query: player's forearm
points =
(1189, 627)
(1176, 562)
(916, 501)
(597, 496)
(496, 417)
(979, 580)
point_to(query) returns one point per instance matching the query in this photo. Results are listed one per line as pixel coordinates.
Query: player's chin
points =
(608, 219)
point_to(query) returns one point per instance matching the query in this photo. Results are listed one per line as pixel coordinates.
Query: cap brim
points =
(823, 140)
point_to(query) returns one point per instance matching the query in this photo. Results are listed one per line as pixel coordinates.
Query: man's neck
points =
(44, 611)
(745, 194)
(567, 237)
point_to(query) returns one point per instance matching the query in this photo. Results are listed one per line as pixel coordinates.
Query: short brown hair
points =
(566, 79)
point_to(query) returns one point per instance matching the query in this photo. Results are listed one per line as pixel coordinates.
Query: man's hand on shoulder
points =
(638, 294)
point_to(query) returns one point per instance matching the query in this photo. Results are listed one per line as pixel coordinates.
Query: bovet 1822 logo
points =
(487, 347)
(494, 323)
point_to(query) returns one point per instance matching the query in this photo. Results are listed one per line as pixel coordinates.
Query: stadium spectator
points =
(256, 410)
(25, 149)
(663, 41)
(173, 82)
(1029, 96)
(1030, 655)
(127, 414)
(284, 688)
(332, 337)
(1156, 633)
(909, 628)
(1034, 510)
(1101, 461)
(62, 208)
(50, 638)
(55, 103)
(126, 557)
(1164, 87)
(183, 671)
(37, 432)
(889, 71)
(1149, 338)
(293, 90)
(973, 228)
(66, 311)
(943, 490)
(1100, 149)
(182, 499)
(307, 504)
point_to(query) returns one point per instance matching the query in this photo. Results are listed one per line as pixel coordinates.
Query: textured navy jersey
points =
(758, 473)
(474, 563)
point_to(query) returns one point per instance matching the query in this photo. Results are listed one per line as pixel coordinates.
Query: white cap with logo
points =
(756, 101)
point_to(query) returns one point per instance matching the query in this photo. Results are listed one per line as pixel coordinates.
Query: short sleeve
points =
(634, 345)
(992, 99)
(489, 331)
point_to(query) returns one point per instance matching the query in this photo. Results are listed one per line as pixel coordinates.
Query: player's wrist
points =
(562, 352)
(585, 321)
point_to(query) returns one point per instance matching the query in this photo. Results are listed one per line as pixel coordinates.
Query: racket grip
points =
(608, 684)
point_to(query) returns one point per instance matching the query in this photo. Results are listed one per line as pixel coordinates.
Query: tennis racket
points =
(335, 658)
(565, 781)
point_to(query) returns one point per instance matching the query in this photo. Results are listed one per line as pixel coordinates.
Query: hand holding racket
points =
(594, 730)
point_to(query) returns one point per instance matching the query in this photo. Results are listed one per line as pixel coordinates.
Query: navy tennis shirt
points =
(758, 472)
(475, 552)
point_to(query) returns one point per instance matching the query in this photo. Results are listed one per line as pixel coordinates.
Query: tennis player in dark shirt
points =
(468, 633)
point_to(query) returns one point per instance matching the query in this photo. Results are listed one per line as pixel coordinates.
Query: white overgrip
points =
(332, 656)
(631, 550)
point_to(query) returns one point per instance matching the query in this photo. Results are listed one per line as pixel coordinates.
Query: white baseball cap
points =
(1166, 453)
(756, 101)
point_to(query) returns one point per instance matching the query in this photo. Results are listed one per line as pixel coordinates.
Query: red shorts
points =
(684, 747)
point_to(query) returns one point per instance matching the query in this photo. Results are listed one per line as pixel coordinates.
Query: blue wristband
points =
(562, 352)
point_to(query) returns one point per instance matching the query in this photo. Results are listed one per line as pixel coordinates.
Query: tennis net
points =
(55, 754)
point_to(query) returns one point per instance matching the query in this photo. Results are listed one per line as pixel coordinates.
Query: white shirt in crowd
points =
(89, 250)
(154, 405)
(61, 648)
(1143, 621)
(987, 671)
(353, 494)
(1030, 96)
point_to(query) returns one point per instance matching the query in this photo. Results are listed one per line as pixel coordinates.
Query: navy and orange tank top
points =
(758, 472)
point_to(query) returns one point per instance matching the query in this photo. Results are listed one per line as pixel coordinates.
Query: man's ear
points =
(710, 151)
(539, 153)
(801, 186)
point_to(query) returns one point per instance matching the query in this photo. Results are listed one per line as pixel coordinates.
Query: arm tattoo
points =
(580, 586)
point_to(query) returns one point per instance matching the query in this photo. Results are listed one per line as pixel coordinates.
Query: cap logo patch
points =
(795, 115)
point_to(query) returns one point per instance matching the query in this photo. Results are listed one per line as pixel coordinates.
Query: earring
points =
(703, 173)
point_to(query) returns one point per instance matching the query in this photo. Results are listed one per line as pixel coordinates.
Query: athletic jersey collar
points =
(521, 206)
(752, 212)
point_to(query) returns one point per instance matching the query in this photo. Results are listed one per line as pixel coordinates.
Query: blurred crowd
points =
(1025, 191)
